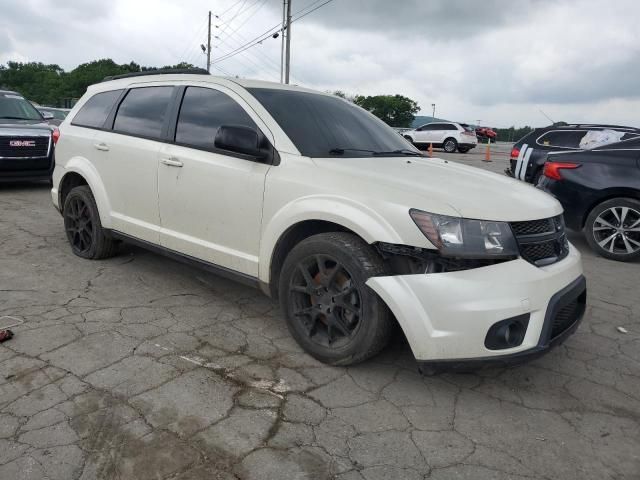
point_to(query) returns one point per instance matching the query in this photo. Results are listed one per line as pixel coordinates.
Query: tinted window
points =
(15, 107)
(143, 110)
(203, 111)
(96, 110)
(568, 139)
(317, 124)
(450, 126)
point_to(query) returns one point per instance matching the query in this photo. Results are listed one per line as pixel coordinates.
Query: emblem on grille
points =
(22, 143)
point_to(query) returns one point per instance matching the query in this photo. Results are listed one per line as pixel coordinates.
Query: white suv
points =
(325, 207)
(449, 136)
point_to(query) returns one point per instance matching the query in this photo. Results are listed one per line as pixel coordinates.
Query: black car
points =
(26, 140)
(529, 153)
(600, 192)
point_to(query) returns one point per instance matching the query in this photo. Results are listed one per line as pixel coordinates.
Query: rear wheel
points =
(613, 229)
(329, 310)
(450, 145)
(82, 224)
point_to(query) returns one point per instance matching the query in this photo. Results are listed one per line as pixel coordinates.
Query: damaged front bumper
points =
(447, 317)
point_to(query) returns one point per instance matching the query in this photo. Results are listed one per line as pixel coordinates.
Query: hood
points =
(24, 128)
(432, 183)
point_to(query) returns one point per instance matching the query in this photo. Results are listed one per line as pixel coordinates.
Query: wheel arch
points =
(606, 195)
(79, 171)
(310, 216)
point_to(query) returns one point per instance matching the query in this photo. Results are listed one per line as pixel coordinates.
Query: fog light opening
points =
(507, 333)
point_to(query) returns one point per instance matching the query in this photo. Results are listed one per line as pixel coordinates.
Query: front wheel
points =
(612, 229)
(329, 310)
(450, 145)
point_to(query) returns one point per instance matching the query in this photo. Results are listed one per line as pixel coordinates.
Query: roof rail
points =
(160, 71)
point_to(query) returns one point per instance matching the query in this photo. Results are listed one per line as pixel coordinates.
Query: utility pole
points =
(282, 39)
(209, 45)
(287, 65)
(433, 115)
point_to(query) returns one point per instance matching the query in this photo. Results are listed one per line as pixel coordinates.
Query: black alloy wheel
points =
(329, 309)
(326, 300)
(83, 227)
(79, 225)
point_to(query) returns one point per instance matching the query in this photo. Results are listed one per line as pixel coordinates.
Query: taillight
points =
(552, 169)
(515, 153)
(472, 134)
(55, 135)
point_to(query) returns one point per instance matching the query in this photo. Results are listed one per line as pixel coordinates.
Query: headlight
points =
(463, 237)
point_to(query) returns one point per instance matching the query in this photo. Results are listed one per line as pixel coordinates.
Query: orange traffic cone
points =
(487, 154)
(430, 150)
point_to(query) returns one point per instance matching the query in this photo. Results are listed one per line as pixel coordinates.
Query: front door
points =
(211, 200)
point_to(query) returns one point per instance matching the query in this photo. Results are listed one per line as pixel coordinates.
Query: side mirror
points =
(244, 140)
(47, 115)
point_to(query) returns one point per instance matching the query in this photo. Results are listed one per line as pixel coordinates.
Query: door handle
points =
(101, 146)
(172, 162)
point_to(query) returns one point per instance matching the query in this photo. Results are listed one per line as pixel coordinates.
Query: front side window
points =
(143, 111)
(202, 112)
(324, 126)
(95, 111)
(16, 107)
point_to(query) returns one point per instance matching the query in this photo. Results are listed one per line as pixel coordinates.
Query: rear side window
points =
(203, 111)
(450, 126)
(143, 111)
(95, 111)
(558, 138)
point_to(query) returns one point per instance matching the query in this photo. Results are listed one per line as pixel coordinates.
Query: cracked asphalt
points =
(139, 367)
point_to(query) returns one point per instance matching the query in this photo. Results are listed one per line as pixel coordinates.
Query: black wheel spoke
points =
(337, 322)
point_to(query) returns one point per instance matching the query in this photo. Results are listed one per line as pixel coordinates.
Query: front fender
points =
(357, 217)
(85, 168)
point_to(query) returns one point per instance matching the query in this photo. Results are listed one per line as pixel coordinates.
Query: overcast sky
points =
(497, 61)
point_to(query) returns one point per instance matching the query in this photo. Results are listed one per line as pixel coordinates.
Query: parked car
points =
(486, 133)
(600, 192)
(325, 207)
(530, 152)
(53, 116)
(26, 140)
(449, 136)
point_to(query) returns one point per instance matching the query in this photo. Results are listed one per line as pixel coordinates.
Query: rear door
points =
(130, 172)
(210, 199)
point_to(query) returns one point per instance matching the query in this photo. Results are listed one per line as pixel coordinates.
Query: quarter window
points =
(203, 111)
(95, 111)
(142, 112)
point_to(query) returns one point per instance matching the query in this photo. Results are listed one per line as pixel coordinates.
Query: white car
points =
(449, 136)
(325, 207)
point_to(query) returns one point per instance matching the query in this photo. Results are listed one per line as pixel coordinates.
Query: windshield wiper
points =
(9, 117)
(342, 151)
(401, 152)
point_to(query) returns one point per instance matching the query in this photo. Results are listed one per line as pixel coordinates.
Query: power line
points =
(268, 33)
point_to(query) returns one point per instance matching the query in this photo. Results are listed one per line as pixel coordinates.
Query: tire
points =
(612, 229)
(463, 149)
(450, 145)
(409, 139)
(329, 310)
(83, 228)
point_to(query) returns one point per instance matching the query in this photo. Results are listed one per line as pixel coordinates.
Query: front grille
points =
(533, 227)
(541, 242)
(24, 147)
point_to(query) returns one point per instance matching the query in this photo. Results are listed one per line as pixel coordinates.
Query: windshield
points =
(325, 126)
(15, 107)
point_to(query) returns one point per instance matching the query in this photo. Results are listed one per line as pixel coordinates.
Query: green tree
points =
(36, 81)
(394, 110)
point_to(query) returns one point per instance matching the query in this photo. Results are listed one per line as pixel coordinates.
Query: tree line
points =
(49, 84)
